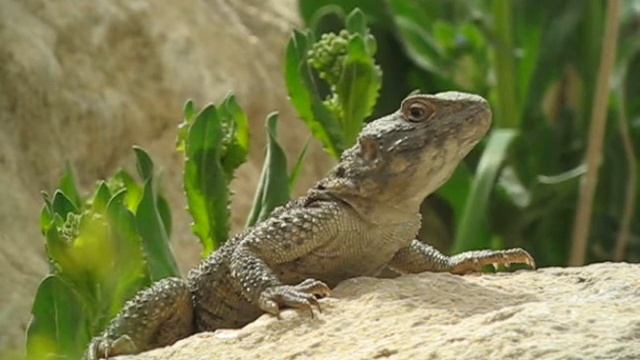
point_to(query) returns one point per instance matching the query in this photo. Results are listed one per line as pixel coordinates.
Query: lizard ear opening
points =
(368, 148)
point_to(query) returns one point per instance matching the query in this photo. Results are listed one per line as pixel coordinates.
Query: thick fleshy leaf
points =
(56, 248)
(61, 205)
(58, 328)
(155, 239)
(183, 128)
(150, 224)
(165, 214)
(46, 217)
(356, 23)
(273, 188)
(101, 197)
(131, 267)
(134, 190)
(144, 164)
(205, 181)
(69, 187)
(358, 88)
(235, 143)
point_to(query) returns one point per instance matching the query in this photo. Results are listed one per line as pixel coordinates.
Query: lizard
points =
(360, 220)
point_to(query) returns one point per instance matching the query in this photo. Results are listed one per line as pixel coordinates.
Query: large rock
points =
(82, 81)
(554, 313)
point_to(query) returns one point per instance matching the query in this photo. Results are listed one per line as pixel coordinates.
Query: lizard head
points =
(403, 157)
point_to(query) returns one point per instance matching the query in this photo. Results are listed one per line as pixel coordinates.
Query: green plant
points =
(105, 248)
(215, 143)
(101, 250)
(346, 64)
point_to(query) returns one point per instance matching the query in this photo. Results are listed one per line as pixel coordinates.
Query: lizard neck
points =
(371, 210)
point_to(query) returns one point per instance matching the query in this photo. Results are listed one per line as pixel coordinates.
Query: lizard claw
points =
(102, 347)
(301, 296)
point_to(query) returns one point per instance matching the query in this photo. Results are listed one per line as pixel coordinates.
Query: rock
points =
(589, 312)
(84, 81)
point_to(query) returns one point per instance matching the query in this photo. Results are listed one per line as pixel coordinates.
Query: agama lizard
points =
(360, 219)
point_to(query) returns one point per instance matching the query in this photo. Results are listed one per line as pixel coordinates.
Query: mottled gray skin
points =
(359, 220)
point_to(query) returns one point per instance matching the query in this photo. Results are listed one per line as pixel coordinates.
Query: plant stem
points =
(624, 234)
(508, 114)
(596, 135)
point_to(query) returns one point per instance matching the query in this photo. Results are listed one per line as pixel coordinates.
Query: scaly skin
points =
(359, 220)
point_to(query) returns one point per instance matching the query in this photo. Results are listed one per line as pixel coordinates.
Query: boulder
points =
(586, 312)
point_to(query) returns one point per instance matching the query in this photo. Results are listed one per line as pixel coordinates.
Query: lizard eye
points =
(417, 111)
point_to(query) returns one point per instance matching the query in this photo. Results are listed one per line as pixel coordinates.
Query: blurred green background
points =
(537, 62)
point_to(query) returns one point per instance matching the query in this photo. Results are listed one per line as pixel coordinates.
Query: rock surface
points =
(553, 313)
(83, 81)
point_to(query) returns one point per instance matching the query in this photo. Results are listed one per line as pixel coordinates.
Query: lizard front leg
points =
(280, 239)
(419, 257)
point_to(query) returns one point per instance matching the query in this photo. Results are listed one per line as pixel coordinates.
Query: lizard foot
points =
(473, 261)
(301, 296)
(102, 347)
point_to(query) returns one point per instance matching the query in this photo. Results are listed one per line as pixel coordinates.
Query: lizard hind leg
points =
(157, 316)
(473, 261)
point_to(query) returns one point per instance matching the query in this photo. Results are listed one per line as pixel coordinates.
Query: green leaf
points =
(420, 45)
(131, 266)
(101, 197)
(150, 225)
(165, 213)
(305, 96)
(62, 205)
(58, 328)
(134, 191)
(472, 230)
(183, 128)
(190, 111)
(68, 186)
(297, 168)
(56, 246)
(144, 165)
(358, 88)
(205, 181)
(235, 128)
(273, 188)
(356, 23)
(46, 218)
